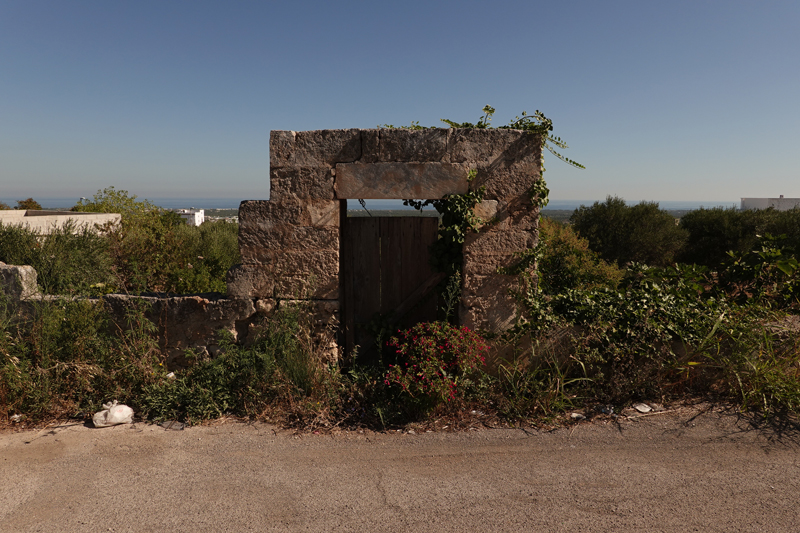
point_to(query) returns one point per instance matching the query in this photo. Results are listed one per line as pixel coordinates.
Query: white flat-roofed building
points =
(779, 204)
(44, 222)
(193, 217)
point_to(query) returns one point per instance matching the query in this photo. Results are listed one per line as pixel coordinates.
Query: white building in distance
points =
(779, 204)
(193, 217)
(44, 222)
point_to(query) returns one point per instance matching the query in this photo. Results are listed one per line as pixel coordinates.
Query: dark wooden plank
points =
(392, 271)
(365, 274)
(429, 233)
(415, 297)
(417, 238)
(387, 271)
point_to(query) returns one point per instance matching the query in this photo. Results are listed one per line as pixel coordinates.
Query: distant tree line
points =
(30, 203)
(644, 233)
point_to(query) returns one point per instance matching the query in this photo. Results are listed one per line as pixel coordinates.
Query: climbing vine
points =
(458, 219)
(457, 210)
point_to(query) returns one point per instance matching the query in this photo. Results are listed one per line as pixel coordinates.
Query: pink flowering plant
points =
(434, 360)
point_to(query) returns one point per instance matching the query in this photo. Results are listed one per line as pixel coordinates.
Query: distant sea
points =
(377, 205)
(166, 203)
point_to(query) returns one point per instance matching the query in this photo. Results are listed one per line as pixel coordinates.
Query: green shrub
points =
(642, 233)
(568, 263)
(62, 357)
(206, 254)
(750, 355)
(67, 260)
(283, 366)
(29, 203)
(153, 250)
(631, 335)
(712, 233)
(111, 200)
(767, 275)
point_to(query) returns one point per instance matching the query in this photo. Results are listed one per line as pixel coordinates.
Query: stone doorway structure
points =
(291, 245)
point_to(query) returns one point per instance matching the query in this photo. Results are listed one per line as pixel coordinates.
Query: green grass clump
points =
(282, 370)
(59, 358)
(150, 250)
(68, 260)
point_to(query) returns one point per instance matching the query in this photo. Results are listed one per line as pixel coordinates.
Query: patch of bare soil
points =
(688, 469)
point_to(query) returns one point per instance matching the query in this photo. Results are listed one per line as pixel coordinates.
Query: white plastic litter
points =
(112, 415)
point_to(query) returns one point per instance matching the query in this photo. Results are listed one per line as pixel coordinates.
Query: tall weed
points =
(748, 358)
(62, 357)
(283, 366)
(68, 260)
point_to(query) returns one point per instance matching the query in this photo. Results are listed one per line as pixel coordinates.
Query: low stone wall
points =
(44, 222)
(186, 322)
(194, 322)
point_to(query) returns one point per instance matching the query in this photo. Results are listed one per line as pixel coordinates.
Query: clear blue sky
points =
(680, 100)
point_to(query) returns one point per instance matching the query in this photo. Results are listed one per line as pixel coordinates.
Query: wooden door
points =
(387, 277)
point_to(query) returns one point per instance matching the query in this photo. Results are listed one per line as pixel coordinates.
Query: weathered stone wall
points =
(183, 322)
(290, 243)
(186, 322)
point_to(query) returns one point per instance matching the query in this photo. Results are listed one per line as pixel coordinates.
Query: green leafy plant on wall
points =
(457, 210)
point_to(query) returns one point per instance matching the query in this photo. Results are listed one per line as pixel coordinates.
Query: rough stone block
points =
(370, 146)
(287, 274)
(487, 303)
(321, 286)
(498, 242)
(413, 145)
(265, 306)
(494, 149)
(486, 210)
(495, 314)
(281, 148)
(250, 281)
(505, 184)
(317, 148)
(301, 183)
(257, 244)
(488, 286)
(323, 311)
(18, 282)
(487, 265)
(400, 180)
(518, 214)
(185, 322)
(258, 215)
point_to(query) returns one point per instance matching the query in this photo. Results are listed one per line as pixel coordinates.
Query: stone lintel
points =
(400, 180)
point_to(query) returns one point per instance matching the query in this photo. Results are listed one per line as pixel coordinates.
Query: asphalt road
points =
(679, 471)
